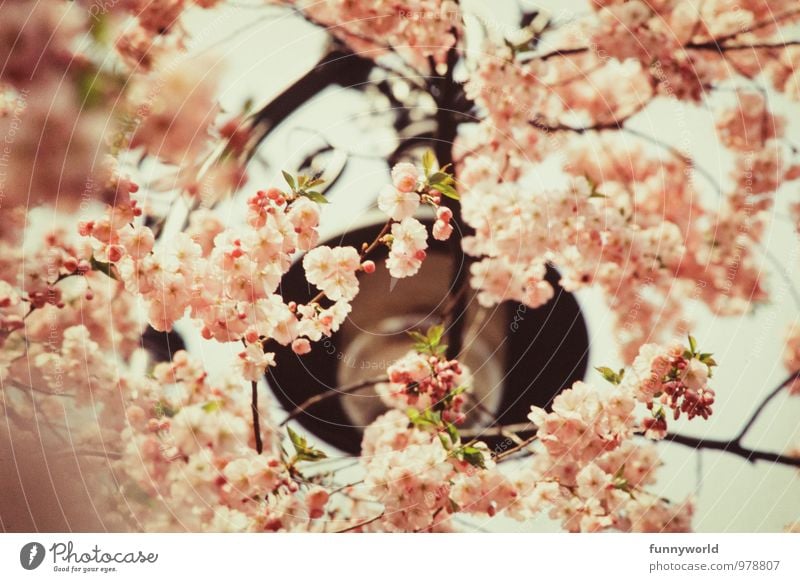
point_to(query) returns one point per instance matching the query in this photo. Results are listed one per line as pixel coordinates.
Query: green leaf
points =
(289, 179)
(610, 375)
(315, 196)
(430, 342)
(416, 336)
(474, 456)
(303, 451)
(428, 162)
(298, 441)
(440, 178)
(102, 267)
(448, 190)
(212, 406)
(707, 359)
(692, 345)
(452, 432)
(435, 333)
(311, 455)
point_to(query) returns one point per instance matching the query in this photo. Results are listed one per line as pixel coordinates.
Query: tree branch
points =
(361, 524)
(450, 101)
(616, 123)
(751, 421)
(336, 67)
(256, 420)
(733, 448)
(309, 402)
(716, 47)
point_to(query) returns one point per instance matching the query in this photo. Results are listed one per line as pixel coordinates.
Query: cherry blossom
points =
(409, 241)
(138, 183)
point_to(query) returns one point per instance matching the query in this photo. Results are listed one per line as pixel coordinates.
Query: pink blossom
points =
(404, 178)
(333, 271)
(398, 204)
(254, 361)
(408, 248)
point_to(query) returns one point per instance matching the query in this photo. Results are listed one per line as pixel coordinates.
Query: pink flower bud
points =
(115, 253)
(71, 264)
(442, 230)
(85, 228)
(368, 267)
(301, 346)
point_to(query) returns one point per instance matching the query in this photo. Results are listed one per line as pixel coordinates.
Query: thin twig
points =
(505, 454)
(498, 430)
(302, 407)
(361, 524)
(256, 420)
(751, 421)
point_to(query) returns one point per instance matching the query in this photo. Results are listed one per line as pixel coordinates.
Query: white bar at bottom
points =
(406, 557)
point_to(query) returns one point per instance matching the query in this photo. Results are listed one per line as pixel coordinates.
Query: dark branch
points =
(338, 67)
(733, 448)
(256, 420)
(754, 417)
(309, 402)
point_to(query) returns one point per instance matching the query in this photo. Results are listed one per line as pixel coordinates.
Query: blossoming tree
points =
(94, 98)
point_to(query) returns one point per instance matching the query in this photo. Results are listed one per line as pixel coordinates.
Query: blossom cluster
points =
(568, 100)
(426, 381)
(591, 474)
(189, 444)
(400, 201)
(421, 484)
(676, 378)
(416, 29)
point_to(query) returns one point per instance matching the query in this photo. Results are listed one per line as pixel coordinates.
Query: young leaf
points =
(289, 180)
(435, 333)
(440, 178)
(102, 267)
(315, 197)
(298, 441)
(610, 375)
(448, 190)
(311, 454)
(452, 432)
(212, 406)
(428, 162)
(474, 457)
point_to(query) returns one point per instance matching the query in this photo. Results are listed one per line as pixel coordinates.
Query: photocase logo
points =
(31, 555)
